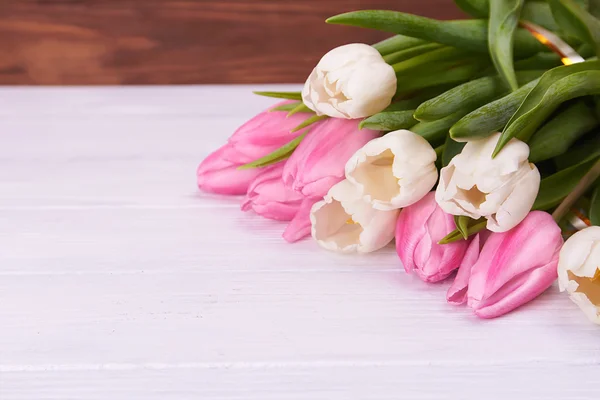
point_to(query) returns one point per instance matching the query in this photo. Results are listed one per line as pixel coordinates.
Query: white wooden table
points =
(119, 280)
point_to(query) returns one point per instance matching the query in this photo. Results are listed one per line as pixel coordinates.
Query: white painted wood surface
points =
(119, 280)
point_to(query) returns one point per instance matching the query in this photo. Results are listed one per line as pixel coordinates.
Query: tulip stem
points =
(588, 179)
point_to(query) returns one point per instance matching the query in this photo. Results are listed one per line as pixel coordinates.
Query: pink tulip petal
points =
(300, 226)
(268, 196)
(516, 266)
(419, 229)
(457, 293)
(411, 228)
(217, 175)
(319, 160)
(258, 137)
(520, 291)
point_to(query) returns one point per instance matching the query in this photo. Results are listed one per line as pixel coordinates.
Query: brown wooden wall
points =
(178, 41)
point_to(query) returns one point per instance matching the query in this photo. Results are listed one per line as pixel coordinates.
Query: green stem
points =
(583, 185)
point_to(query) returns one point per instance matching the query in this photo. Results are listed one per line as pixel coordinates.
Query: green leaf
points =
(436, 74)
(397, 43)
(300, 108)
(464, 34)
(389, 121)
(462, 225)
(577, 21)
(587, 150)
(504, 18)
(537, 12)
(475, 8)
(280, 154)
(491, 117)
(469, 96)
(594, 8)
(452, 149)
(281, 95)
(441, 54)
(554, 87)
(539, 61)
(560, 132)
(595, 207)
(436, 131)
(439, 150)
(309, 121)
(556, 187)
(474, 227)
(406, 54)
(286, 107)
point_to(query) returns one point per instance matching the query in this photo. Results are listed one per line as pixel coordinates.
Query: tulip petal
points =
(578, 269)
(350, 81)
(393, 171)
(299, 226)
(516, 266)
(259, 136)
(419, 229)
(217, 174)
(268, 196)
(516, 206)
(501, 189)
(344, 222)
(318, 162)
(457, 293)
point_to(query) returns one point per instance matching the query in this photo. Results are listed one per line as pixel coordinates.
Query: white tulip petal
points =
(575, 253)
(590, 309)
(517, 205)
(579, 271)
(351, 81)
(393, 171)
(501, 189)
(345, 223)
(343, 55)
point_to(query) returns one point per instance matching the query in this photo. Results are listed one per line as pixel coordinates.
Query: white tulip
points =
(579, 271)
(501, 189)
(351, 81)
(393, 171)
(344, 222)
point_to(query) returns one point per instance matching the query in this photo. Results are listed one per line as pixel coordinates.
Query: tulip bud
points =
(318, 162)
(261, 135)
(419, 229)
(394, 171)
(268, 196)
(515, 267)
(344, 222)
(579, 271)
(501, 189)
(351, 81)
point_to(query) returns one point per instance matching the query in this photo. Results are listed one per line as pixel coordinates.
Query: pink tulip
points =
(516, 266)
(419, 229)
(258, 137)
(300, 225)
(268, 196)
(318, 162)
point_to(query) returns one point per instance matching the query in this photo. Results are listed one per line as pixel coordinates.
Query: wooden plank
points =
(350, 380)
(173, 42)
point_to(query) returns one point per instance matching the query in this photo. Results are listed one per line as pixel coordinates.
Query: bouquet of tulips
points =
(473, 144)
